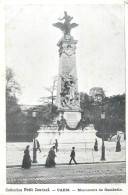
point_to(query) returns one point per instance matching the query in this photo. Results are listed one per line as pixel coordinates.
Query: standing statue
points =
(66, 26)
(62, 123)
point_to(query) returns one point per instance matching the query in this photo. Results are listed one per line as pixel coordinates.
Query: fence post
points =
(92, 155)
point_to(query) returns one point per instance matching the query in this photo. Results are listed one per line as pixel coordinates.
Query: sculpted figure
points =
(62, 123)
(68, 90)
(71, 90)
(66, 26)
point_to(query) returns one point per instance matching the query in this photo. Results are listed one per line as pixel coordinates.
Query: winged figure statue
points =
(66, 26)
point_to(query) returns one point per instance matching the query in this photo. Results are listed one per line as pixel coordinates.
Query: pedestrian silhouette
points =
(118, 146)
(50, 161)
(26, 164)
(72, 155)
(56, 145)
(96, 145)
(38, 145)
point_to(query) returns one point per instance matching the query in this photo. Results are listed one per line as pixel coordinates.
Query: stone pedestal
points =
(72, 117)
(69, 138)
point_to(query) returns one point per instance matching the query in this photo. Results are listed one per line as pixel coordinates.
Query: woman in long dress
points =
(118, 146)
(26, 164)
(50, 161)
(96, 145)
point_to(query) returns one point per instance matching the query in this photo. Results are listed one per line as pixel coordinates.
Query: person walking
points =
(56, 145)
(26, 164)
(50, 161)
(72, 155)
(118, 145)
(38, 145)
(96, 145)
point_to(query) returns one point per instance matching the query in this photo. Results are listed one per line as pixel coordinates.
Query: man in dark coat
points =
(38, 145)
(96, 145)
(72, 155)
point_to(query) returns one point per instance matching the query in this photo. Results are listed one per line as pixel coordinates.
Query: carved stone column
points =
(67, 91)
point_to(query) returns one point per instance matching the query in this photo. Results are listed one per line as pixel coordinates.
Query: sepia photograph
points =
(65, 94)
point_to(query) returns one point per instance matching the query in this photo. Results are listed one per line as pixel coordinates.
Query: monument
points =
(70, 128)
(67, 91)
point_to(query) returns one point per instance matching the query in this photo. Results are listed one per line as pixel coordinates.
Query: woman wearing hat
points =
(50, 161)
(26, 164)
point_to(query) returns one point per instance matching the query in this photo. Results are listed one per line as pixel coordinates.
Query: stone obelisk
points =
(67, 91)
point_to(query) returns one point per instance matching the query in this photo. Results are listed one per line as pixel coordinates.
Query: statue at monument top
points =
(66, 26)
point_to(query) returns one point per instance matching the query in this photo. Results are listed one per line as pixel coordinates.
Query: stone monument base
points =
(68, 138)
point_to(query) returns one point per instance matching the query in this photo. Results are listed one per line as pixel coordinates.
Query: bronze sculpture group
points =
(69, 96)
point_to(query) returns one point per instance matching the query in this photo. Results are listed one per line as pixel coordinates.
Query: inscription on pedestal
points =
(72, 118)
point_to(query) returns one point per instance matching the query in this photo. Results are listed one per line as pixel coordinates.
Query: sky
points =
(32, 52)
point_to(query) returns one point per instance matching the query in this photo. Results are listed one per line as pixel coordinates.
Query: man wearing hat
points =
(72, 155)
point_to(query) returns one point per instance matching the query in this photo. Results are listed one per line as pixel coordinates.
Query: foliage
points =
(52, 90)
(13, 111)
(12, 88)
(48, 111)
(19, 125)
(114, 108)
(19, 122)
(46, 114)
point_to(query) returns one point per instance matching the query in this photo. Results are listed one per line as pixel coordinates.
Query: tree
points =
(52, 89)
(20, 125)
(86, 106)
(44, 114)
(13, 111)
(115, 111)
(12, 88)
(49, 109)
(114, 108)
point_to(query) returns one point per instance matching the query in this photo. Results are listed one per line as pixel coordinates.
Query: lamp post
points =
(34, 144)
(103, 146)
(100, 99)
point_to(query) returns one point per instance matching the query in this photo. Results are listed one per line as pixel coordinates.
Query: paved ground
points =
(15, 152)
(87, 173)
